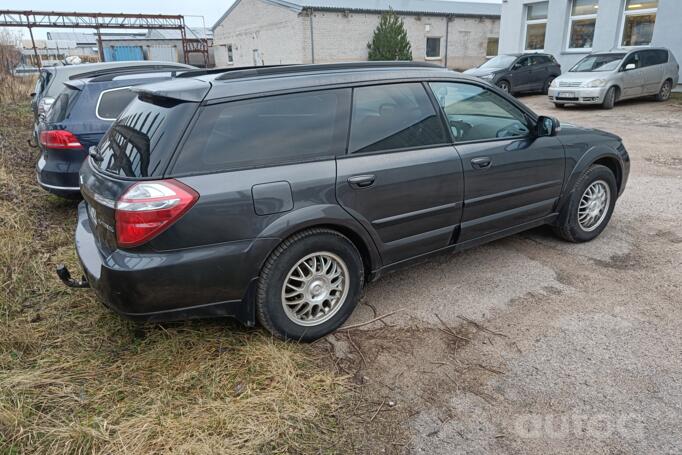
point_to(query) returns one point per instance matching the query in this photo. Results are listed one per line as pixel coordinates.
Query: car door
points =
(511, 177)
(520, 74)
(633, 78)
(653, 70)
(401, 177)
(538, 72)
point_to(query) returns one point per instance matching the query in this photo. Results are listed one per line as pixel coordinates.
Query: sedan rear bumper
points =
(211, 281)
(577, 95)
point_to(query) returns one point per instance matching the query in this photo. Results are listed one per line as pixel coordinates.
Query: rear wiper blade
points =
(95, 154)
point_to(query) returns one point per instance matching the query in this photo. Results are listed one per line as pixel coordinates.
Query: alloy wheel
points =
(594, 205)
(315, 288)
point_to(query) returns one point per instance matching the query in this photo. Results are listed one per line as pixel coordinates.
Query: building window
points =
(491, 48)
(536, 25)
(433, 48)
(638, 22)
(582, 23)
(230, 55)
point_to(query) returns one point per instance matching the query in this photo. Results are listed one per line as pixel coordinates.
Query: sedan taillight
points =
(59, 139)
(149, 208)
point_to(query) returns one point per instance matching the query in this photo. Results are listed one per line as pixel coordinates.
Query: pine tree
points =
(390, 39)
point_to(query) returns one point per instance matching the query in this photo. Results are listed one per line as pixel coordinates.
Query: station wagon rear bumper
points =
(213, 281)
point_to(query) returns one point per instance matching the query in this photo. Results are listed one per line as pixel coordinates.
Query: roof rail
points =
(111, 76)
(126, 69)
(208, 71)
(236, 73)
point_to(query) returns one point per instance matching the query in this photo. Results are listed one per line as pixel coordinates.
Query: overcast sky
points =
(211, 10)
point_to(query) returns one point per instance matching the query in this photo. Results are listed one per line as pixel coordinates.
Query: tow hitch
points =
(64, 275)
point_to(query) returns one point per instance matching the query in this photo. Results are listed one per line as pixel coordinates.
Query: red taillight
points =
(59, 139)
(149, 208)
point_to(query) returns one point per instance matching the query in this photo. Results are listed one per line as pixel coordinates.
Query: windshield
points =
(603, 62)
(501, 61)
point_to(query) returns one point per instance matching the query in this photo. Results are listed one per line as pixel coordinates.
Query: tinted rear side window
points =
(62, 105)
(654, 57)
(267, 131)
(143, 137)
(112, 102)
(396, 116)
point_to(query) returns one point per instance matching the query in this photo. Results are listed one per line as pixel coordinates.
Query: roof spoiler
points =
(189, 90)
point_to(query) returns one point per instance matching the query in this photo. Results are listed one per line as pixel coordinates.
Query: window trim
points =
(571, 19)
(625, 15)
(99, 100)
(528, 22)
(426, 47)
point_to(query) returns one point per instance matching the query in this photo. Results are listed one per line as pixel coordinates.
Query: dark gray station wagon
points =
(274, 194)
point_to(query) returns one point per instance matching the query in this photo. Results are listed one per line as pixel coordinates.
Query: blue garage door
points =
(123, 53)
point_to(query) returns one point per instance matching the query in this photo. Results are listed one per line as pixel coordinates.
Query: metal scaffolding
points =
(98, 21)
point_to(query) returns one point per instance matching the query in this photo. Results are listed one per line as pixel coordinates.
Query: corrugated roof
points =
(399, 6)
(191, 32)
(433, 7)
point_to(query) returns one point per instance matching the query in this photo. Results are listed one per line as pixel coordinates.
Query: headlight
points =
(488, 76)
(594, 83)
(554, 83)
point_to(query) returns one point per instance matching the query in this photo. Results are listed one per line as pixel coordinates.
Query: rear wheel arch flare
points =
(356, 239)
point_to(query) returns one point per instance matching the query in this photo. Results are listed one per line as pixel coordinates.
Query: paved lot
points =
(579, 347)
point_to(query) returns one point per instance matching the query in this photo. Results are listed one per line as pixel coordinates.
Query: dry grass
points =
(676, 98)
(75, 378)
(16, 89)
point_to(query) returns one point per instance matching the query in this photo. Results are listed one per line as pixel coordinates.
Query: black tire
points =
(665, 91)
(548, 82)
(609, 99)
(504, 86)
(569, 227)
(559, 105)
(269, 308)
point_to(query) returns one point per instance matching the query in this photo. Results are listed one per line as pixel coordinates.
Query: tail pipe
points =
(64, 275)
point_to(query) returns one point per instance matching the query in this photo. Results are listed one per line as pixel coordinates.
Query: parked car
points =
(516, 73)
(607, 77)
(23, 69)
(274, 194)
(79, 117)
(51, 80)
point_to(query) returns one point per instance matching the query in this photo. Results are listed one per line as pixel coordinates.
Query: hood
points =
(568, 129)
(584, 77)
(478, 72)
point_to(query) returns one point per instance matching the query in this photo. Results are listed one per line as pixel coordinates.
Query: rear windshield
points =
(62, 105)
(143, 137)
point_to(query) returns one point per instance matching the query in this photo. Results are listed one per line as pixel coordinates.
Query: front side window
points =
(112, 102)
(582, 24)
(639, 21)
(432, 47)
(392, 117)
(478, 114)
(536, 25)
(267, 131)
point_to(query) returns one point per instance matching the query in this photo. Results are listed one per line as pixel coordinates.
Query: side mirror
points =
(630, 66)
(547, 126)
(516, 66)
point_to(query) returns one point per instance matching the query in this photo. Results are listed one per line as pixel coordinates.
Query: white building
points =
(571, 29)
(266, 32)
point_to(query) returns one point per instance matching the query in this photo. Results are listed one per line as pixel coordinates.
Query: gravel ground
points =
(550, 346)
